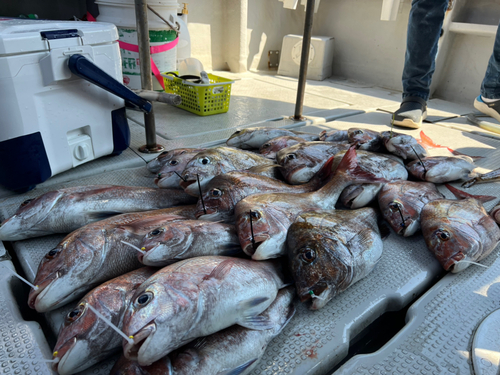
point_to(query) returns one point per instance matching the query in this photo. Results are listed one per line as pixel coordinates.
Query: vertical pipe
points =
(304, 59)
(141, 17)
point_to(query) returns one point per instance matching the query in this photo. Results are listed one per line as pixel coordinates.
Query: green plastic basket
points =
(198, 98)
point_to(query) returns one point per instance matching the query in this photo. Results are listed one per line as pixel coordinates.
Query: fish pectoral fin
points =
(240, 369)
(364, 238)
(101, 215)
(256, 322)
(249, 311)
(263, 168)
(200, 343)
(221, 270)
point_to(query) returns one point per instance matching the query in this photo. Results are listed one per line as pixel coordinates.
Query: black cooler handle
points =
(84, 68)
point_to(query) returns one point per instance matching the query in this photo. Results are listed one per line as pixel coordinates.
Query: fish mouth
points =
(321, 294)
(207, 211)
(186, 183)
(131, 351)
(450, 263)
(317, 290)
(63, 353)
(36, 294)
(251, 247)
(409, 228)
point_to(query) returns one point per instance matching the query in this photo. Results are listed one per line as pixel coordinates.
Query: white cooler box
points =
(52, 120)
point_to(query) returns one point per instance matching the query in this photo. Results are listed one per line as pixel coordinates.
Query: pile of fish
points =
(201, 288)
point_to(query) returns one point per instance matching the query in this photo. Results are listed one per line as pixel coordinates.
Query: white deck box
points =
(320, 57)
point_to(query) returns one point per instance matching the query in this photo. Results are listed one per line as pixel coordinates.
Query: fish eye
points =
(308, 255)
(215, 192)
(144, 299)
(156, 232)
(291, 156)
(237, 132)
(266, 145)
(255, 215)
(204, 160)
(52, 253)
(163, 153)
(394, 206)
(173, 162)
(443, 235)
(26, 202)
(159, 175)
(75, 314)
(356, 132)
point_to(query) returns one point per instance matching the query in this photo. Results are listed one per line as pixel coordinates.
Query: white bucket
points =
(122, 14)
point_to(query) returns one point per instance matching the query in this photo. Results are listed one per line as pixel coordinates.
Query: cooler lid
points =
(24, 35)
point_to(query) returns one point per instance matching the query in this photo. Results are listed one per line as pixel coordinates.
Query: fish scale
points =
(65, 210)
(215, 161)
(277, 211)
(94, 254)
(232, 187)
(165, 308)
(458, 232)
(328, 251)
(85, 340)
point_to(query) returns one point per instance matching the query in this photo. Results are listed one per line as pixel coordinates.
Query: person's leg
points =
(489, 100)
(424, 29)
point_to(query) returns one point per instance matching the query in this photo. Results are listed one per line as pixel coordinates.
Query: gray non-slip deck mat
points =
(437, 338)
(314, 342)
(23, 346)
(251, 101)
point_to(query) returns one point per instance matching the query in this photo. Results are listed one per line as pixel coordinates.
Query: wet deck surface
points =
(313, 342)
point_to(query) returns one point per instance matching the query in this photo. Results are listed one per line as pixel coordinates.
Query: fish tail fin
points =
(463, 195)
(349, 165)
(427, 142)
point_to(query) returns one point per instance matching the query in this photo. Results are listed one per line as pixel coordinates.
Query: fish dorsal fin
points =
(463, 195)
(138, 226)
(101, 215)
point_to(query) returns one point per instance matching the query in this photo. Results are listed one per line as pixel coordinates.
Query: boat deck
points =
(443, 310)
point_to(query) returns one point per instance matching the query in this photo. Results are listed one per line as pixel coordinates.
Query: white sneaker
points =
(491, 109)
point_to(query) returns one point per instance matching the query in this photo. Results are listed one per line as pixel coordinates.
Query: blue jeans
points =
(424, 30)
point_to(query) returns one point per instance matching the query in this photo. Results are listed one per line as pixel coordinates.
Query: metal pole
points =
(304, 59)
(141, 17)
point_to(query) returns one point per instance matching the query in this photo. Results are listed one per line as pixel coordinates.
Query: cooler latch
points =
(59, 34)
(54, 66)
